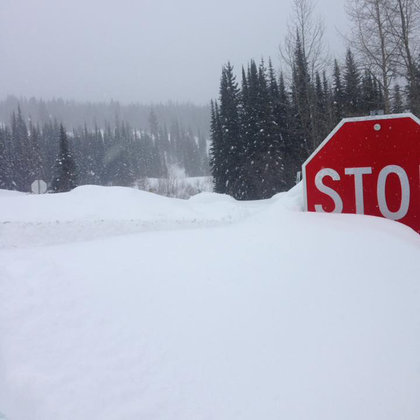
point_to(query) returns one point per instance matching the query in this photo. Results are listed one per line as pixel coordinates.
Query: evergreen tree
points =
(65, 177)
(6, 181)
(352, 91)
(49, 147)
(279, 114)
(35, 164)
(216, 150)
(20, 154)
(269, 159)
(322, 120)
(118, 169)
(250, 126)
(192, 160)
(397, 102)
(247, 146)
(96, 155)
(329, 117)
(304, 139)
(338, 94)
(413, 89)
(153, 124)
(368, 94)
(231, 148)
(379, 99)
(285, 119)
(203, 155)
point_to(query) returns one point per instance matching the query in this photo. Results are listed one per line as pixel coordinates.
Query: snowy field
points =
(120, 304)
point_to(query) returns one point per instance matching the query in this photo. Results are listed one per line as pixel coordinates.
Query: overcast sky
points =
(140, 50)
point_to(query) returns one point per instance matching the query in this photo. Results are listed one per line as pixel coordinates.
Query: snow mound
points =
(92, 212)
(89, 203)
(111, 203)
(8, 193)
(211, 197)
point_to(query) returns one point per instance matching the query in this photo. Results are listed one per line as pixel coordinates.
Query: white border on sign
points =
(333, 132)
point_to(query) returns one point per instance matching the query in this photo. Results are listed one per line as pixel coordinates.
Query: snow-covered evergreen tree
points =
(216, 150)
(338, 94)
(231, 149)
(65, 177)
(397, 102)
(6, 181)
(352, 90)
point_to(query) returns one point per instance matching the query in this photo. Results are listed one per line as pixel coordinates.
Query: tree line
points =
(116, 154)
(78, 114)
(263, 128)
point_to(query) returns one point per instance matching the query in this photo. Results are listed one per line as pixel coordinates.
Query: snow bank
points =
(92, 203)
(273, 313)
(91, 212)
(8, 193)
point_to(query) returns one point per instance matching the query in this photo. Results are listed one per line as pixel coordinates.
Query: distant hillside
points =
(75, 114)
(110, 144)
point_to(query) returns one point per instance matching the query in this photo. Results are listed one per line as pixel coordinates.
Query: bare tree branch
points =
(310, 31)
(373, 41)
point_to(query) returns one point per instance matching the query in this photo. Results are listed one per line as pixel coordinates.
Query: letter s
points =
(338, 202)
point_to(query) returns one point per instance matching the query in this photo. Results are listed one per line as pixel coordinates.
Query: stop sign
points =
(368, 165)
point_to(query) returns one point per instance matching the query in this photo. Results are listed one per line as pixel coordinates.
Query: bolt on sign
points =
(368, 165)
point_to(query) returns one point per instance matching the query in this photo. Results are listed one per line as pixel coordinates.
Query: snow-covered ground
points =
(120, 304)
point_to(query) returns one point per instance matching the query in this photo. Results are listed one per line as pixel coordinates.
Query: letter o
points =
(405, 192)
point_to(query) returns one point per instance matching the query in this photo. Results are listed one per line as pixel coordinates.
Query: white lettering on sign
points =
(405, 192)
(338, 202)
(358, 185)
(358, 190)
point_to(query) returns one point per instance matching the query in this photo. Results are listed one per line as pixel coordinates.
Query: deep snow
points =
(120, 304)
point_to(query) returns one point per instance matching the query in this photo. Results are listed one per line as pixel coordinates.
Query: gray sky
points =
(140, 50)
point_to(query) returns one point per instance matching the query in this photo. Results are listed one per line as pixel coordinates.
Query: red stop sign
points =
(368, 165)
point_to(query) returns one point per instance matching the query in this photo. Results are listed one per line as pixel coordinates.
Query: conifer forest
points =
(131, 143)
(266, 123)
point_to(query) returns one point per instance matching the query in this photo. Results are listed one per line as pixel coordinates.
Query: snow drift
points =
(204, 309)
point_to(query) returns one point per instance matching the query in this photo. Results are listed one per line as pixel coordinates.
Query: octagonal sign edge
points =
(367, 165)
